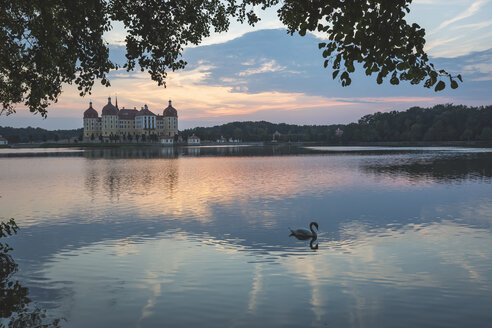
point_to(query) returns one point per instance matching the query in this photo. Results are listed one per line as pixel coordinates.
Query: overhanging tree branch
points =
(65, 41)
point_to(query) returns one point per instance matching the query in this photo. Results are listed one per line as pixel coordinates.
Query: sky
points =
(262, 73)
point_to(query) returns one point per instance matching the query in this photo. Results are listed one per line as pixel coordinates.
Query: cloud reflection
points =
(356, 270)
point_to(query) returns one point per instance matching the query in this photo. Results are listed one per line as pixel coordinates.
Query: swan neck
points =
(311, 228)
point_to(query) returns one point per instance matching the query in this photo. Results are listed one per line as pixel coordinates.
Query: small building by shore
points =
(167, 140)
(3, 141)
(193, 140)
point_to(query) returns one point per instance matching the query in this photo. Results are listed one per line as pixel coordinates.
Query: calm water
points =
(152, 237)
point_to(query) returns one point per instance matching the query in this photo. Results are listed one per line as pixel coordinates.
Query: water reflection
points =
(147, 152)
(262, 196)
(341, 282)
(449, 168)
(312, 240)
(16, 308)
(151, 239)
(304, 234)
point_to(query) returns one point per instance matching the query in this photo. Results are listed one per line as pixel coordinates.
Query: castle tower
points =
(109, 120)
(170, 120)
(91, 123)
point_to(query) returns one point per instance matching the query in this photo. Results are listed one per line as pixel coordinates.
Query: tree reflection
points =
(444, 169)
(16, 308)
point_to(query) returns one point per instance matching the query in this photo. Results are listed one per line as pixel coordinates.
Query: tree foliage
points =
(7, 229)
(16, 135)
(8, 290)
(371, 32)
(46, 43)
(439, 123)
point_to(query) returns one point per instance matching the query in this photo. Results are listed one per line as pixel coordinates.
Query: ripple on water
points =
(404, 238)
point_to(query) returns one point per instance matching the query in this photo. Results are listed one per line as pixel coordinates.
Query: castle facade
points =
(116, 123)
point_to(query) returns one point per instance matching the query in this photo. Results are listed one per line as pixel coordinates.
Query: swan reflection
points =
(305, 234)
(311, 243)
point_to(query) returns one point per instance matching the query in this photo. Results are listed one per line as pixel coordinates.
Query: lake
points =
(153, 237)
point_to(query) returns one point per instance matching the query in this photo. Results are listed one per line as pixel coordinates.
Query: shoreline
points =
(396, 144)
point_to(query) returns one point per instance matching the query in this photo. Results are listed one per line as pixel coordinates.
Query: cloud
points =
(484, 71)
(467, 13)
(440, 42)
(383, 100)
(249, 62)
(475, 26)
(461, 48)
(268, 66)
(254, 78)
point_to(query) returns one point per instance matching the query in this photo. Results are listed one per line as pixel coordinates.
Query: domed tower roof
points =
(170, 111)
(109, 109)
(90, 112)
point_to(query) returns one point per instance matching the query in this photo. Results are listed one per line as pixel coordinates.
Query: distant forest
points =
(439, 123)
(30, 134)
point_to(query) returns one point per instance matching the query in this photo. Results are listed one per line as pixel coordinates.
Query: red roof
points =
(90, 112)
(145, 112)
(3, 139)
(109, 109)
(170, 111)
(127, 114)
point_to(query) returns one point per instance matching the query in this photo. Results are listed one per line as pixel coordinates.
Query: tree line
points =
(439, 123)
(30, 134)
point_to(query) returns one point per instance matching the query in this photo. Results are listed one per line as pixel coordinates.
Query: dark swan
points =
(304, 234)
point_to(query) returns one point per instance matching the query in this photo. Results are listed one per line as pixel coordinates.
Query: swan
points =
(304, 234)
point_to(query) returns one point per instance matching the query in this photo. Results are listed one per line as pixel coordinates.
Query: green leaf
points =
(459, 78)
(454, 84)
(440, 86)
(321, 45)
(401, 66)
(335, 73)
(350, 67)
(379, 79)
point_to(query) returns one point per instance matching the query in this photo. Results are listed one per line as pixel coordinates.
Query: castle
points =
(116, 123)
